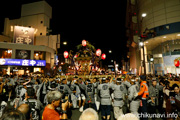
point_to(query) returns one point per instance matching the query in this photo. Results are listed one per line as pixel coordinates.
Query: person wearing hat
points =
(66, 95)
(118, 92)
(20, 90)
(24, 89)
(153, 97)
(104, 90)
(134, 102)
(81, 85)
(126, 84)
(97, 98)
(76, 96)
(143, 93)
(19, 87)
(65, 90)
(89, 94)
(30, 99)
(53, 85)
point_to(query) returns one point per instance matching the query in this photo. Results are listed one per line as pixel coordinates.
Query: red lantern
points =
(75, 56)
(84, 43)
(66, 54)
(176, 62)
(98, 52)
(103, 56)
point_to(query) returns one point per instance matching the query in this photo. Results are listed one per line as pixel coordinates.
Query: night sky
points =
(102, 23)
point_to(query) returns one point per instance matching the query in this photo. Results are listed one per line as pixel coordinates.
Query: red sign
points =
(98, 52)
(84, 43)
(176, 62)
(66, 54)
(103, 56)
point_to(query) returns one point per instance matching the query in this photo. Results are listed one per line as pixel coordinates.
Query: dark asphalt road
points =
(76, 114)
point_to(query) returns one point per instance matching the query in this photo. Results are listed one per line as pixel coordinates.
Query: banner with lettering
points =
(23, 35)
(22, 62)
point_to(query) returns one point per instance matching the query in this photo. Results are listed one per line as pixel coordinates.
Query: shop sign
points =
(24, 35)
(22, 62)
(56, 60)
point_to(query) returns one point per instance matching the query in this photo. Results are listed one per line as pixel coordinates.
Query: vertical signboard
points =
(24, 35)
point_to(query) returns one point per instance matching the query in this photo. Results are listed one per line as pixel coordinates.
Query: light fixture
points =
(151, 59)
(12, 28)
(164, 37)
(141, 43)
(64, 43)
(35, 31)
(110, 51)
(178, 34)
(9, 51)
(37, 54)
(144, 14)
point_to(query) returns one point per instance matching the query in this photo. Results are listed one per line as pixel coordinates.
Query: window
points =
(39, 55)
(5, 53)
(12, 28)
(161, 27)
(41, 22)
(40, 33)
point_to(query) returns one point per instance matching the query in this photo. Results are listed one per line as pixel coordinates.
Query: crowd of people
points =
(54, 98)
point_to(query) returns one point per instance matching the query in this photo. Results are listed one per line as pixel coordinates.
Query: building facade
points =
(133, 65)
(39, 45)
(159, 31)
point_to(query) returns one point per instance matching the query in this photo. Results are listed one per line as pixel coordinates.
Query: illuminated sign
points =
(56, 60)
(23, 35)
(22, 62)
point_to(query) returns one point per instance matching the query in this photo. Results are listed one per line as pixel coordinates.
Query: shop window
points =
(39, 55)
(23, 54)
(5, 53)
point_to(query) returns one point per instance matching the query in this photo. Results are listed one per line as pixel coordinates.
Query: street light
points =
(110, 51)
(141, 44)
(144, 15)
(151, 59)
(64, 43)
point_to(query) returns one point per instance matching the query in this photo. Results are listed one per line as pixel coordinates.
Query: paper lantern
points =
(103, 56)
(98, 52)
(84, 43)
(176, 62)
(75, 56)
(66, 54)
